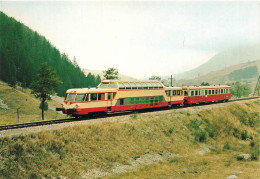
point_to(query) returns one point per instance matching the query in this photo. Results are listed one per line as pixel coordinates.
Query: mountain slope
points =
(245, 72)
(22, 51)
(225, 59)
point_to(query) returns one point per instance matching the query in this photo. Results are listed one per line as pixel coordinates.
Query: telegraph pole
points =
(257, 87)
(172, 79)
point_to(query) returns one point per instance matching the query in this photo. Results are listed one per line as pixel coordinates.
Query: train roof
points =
(204, 87)
(173, 88)
(134, 84)
(90, 90)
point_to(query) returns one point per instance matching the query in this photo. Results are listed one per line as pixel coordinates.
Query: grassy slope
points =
(29, 106)
(72, 151)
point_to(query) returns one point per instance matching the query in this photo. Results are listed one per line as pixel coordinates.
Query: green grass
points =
(72, 151)
(27, 104)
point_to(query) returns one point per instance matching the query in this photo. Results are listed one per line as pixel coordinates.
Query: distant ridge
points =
(246, 73)
(225, 59)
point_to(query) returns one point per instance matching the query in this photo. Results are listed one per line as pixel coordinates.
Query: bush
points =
(239, 158)
(236, 133)
(244, 135)
(226, 147)
(200, 136)
(170, 130)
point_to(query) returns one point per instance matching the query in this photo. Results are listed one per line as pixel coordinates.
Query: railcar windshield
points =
(70, 97)
(80, 97)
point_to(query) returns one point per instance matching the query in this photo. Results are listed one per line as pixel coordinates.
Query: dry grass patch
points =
(74, 151)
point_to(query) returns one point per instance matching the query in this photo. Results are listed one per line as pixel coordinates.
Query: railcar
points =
(205, 94)
(115, 95)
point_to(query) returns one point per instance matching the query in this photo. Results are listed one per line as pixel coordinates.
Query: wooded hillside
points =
(22, 51)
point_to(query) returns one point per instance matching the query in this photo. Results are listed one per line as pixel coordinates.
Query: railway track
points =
(57, 121)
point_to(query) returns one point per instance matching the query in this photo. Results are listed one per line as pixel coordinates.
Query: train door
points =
(110, 97)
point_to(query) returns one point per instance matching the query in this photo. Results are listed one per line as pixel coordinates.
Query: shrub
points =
(200, 136)
(244, 135)
(170, 130)
(226, 147)
(239, 157)
(251, 122)
(194, 124)
(236, 133)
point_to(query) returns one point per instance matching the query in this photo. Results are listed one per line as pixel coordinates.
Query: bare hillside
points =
(240, 72)
(224, 59)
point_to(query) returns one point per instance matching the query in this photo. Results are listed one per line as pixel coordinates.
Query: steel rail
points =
(57, 121)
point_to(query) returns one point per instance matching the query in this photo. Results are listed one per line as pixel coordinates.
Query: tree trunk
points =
(43, 110)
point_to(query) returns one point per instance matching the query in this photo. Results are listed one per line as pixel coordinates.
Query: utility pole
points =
(257, 87)
(172, 79)
(18, 114)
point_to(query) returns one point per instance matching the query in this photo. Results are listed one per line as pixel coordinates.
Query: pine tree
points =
(43, 85)
(111, 73)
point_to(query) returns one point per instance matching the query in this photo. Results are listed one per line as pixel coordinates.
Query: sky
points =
(141, 38)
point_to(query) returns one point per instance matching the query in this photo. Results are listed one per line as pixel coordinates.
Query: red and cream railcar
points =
(205, 94)
(113, 95)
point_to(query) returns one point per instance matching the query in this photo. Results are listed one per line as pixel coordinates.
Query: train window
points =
(71, 97)
(150, 85)
(192, 93)
(174, 93)
(181, 92)
(209, 91)
(213, 91)
(127, 86)
(104, 85)
(221, 91)
(112, 85)
(199, 93)
(145, 86)
(101, 96)
(121, 101)
(93, 97)
(133, 85)
(186, 93)
(196, 92)
(109, 96)
(121, 86)
(206, 92)
(155, 85)
(161, 99)
(139, 85)
(178, 92)
(159, 85)
(80, 97)
(216, 91)
(168, 93)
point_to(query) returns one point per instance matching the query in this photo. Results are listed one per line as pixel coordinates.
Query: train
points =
(116, 95)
